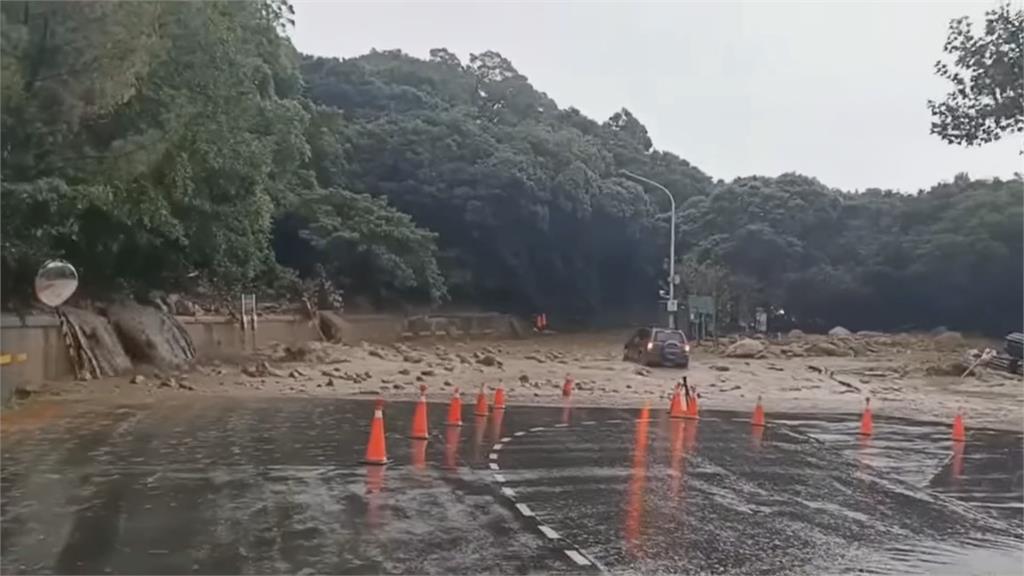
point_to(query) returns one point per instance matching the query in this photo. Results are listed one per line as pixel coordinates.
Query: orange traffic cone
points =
(958, 426)
(758, 418)
(481, 402)
(419, 417)
(499, 398)
(675, 409)
(692, 412)
(645, 413)
(455, 410)
(867, 425)
(376, 451)
(567, 386)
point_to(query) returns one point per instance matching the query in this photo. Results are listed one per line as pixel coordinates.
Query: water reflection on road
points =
(270, 486)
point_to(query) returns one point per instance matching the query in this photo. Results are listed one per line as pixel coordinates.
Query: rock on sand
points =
(745, 348)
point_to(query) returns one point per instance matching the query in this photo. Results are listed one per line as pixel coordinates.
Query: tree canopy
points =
(150, 143)
(987, 98)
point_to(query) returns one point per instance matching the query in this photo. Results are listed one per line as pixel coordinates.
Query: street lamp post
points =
(672, 306)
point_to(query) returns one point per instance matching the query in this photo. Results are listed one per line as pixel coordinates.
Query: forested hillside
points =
(187, 146)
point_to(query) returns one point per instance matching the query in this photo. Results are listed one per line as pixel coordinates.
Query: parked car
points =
(657, 347)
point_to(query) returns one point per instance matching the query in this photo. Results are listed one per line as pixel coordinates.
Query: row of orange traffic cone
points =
(376, 449)
(683, 404)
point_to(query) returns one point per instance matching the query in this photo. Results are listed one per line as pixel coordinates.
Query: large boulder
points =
(151, 336)
(795, 334)
(745, 348)
(839, 331)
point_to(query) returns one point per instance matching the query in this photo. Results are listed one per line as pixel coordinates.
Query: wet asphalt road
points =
(274, 486)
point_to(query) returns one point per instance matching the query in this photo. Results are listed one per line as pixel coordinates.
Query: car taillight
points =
(650, 345)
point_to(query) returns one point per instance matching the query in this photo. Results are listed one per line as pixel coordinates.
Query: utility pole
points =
(672, 306)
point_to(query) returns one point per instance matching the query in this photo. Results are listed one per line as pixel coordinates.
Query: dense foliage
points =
(165, 145)
(986, 70)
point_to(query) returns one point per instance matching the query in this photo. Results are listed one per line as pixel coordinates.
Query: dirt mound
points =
(95, 348)
(151, 336)
(949, 341)
(746, 348)
(823, 348)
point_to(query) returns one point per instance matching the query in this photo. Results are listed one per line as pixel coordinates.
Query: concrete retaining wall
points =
(219, 337)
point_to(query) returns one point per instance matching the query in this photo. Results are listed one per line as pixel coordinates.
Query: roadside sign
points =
(672, 305)
(701, 304)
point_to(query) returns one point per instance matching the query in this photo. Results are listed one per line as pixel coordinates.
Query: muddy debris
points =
(489, 360)
(746, 348)
(825, 348)
(138, 379)
(262, 369)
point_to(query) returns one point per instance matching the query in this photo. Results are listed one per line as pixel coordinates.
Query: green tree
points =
(987, 99)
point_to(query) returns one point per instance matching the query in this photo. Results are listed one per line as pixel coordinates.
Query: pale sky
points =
(835, 90)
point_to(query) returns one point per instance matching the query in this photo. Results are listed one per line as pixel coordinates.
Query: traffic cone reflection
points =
(376, 451)
(374, 487)
(481, 402)
(645, 413)
(756, 436)
(418, 454)
(956, 463)
(758, 418)
(677, 456)
(499, 399)
(451, 447)
(958, 427)
(867, 424)
(479, 427)
(419, 417)
(566, 412)
(633, 521)
(496, 419)
(455, 410)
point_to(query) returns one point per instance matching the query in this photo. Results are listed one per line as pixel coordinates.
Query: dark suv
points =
(657, 347)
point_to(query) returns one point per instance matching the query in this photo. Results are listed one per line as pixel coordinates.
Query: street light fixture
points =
(672, 305)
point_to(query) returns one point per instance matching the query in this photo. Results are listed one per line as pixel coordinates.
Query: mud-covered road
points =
(905, 375)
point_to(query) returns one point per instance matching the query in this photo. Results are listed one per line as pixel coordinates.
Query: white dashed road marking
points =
(524, 510)
(508, 492)
(549, 532)
(578, 558)
(499, 478)
(506, 438)
(493, 466)
(520, 433)
(497, 447)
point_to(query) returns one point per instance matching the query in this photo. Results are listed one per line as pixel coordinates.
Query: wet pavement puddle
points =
(274, 486)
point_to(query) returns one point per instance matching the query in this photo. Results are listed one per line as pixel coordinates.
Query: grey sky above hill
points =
(835, 90)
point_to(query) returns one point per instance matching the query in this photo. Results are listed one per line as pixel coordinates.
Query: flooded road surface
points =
(274, 486)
